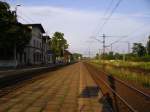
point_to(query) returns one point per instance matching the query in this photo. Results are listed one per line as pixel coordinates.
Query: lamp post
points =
(15, 52)
(16, 9)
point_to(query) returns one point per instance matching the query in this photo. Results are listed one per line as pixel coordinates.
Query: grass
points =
(140, 65)
(124, 74)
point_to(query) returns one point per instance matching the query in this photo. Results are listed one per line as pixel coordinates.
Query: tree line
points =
(139, 53)
(13, 35)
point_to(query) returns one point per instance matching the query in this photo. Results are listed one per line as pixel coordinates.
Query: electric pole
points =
(99, 56)
(111, 47)
(89, 53)
(128, 47)
(103, 41)
(104, 37)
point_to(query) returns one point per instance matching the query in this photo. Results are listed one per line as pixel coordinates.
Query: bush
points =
(139, 59)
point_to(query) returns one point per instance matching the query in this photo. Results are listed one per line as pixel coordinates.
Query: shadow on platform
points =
(105, 100)
(88, 92)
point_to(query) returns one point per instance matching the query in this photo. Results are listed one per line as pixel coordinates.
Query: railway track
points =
(122, 96)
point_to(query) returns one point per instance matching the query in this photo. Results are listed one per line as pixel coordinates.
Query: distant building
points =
(50, 56)
(67, 56)
(47, 53)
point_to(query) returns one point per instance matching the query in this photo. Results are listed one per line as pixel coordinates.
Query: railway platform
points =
(68, 89)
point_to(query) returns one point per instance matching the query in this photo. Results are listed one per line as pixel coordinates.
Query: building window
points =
(40, 57)
(40, 45)
(40, 35)
(37, 58)
(34, 57)
(34, 43)
(37, 44)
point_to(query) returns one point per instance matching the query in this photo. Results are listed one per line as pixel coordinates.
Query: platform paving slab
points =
(69, 89)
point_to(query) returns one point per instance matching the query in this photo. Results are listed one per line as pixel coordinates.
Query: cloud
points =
(77, 25)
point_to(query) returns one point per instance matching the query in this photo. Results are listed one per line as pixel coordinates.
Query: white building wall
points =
(34, 46)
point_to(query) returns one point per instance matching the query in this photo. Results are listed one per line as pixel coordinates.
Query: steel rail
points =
(129, 86)
(97, 79)
(127, 104)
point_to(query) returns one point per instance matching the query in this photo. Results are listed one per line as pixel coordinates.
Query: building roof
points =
(36, 25)
(46, 37)
(66, 52)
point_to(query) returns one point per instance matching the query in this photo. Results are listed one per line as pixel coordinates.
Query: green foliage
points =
(111, 56)
(139, 49)
(118, 56)
(145, 58)
(125, 74)
(6, 15)
(76, 56)
(12, 33)
(139, 54)
(148, 46)
(127, 64)
(97, 56)
(58, 44)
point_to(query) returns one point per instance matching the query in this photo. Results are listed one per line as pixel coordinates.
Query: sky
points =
(81, 21)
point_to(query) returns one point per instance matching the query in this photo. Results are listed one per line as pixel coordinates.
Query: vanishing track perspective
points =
(121, 96)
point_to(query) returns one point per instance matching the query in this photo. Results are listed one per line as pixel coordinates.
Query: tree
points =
(77, 56)
(97, 56)
(118, 56)
(108, 56)
(139, 49)
(58, 44)
(13, 35)
(148, 46)
(111, 55)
